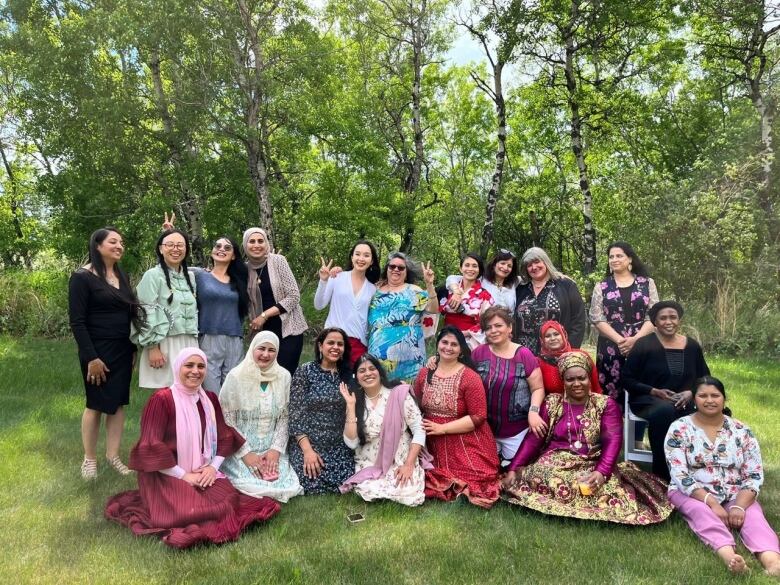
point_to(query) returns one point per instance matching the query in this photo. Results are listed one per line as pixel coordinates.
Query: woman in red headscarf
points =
(182, 497)
(554, 343)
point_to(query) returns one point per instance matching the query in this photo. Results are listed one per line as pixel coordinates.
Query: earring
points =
(630, 267)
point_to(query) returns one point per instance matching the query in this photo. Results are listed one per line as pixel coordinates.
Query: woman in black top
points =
(659, 376)
(546, 295)
(102, 305)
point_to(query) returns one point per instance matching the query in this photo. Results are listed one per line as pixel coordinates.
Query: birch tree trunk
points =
(498, 172)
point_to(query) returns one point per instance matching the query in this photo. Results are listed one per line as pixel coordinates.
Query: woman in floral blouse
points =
(464, 299)
(716, 470)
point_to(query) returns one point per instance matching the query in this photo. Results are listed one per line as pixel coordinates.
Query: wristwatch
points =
(534, 409)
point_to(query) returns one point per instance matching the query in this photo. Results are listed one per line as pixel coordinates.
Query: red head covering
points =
(566, 348)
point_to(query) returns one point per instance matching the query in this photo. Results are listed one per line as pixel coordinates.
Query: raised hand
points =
(168, 222)
(324, 271)
(348, 396)
(428, 274)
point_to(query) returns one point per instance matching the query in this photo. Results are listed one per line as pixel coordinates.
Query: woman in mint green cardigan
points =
(167, 293)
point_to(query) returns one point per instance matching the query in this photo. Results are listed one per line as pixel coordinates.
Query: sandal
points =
(89, 469)
(118, 466)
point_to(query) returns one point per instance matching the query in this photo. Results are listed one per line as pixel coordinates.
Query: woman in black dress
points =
(102, 305)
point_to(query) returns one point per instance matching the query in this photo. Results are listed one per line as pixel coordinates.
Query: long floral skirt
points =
(550, 486)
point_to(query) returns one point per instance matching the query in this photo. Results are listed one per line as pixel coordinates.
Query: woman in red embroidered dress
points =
(452, 399)
(182, 497)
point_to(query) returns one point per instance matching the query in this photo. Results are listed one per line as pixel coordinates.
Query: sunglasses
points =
(505, 252)
(396, 267)
(225, 247)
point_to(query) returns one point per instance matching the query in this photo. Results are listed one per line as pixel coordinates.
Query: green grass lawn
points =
(53, 530)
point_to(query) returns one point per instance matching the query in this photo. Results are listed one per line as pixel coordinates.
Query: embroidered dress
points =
(465, 463)
(317, 410)
(395, 331)
(724, 467)
(549, 482)
(255, 404)
(608, 305)
(411, 494)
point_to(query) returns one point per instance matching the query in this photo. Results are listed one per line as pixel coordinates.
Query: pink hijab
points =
(188, 429)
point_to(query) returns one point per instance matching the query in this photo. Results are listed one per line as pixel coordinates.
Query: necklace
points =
(577, 444)
(374, 396)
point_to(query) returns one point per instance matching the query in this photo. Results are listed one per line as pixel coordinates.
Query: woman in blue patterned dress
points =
(254, 400)
(317, 415)
(396, 317)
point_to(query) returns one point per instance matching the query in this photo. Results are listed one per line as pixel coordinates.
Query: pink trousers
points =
(756, 534)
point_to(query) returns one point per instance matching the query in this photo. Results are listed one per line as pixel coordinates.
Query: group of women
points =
(508, 406)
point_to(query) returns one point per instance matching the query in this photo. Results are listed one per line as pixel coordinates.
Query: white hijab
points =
(241, 390)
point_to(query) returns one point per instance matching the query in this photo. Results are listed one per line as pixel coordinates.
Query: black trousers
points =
(659, 414)
(290, 349)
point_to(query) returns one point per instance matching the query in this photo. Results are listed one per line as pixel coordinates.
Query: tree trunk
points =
(258, 171)
(22, 257)
(188, 204)
(498, 172)
(577, 147)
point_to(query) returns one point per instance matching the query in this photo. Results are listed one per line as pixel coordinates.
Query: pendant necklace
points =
(577, 444)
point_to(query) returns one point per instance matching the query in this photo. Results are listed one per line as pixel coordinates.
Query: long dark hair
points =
(239, 276)
(125, 292)
(465, 352)
(711, 381)
(164, 266)
(478, 259)
(490, 269)
(637, 266)
(372, 274)
(360, 394)
(345, 374)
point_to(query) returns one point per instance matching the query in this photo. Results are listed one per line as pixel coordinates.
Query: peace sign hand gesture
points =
(324, 271)
(428, 275)
(168, 222)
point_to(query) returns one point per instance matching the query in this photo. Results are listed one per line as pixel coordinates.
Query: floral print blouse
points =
(724, 467)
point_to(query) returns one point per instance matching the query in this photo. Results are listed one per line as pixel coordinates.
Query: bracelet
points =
(351, 420)
(738, 508)
(707, 495)
(301, 438)
(534, 409)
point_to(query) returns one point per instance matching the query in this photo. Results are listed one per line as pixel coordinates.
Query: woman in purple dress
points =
(573, 470)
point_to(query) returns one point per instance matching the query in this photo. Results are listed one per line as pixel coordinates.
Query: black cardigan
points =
(646, 367)
(572, 307)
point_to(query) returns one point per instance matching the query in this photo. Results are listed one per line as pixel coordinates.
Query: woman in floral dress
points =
(464, 299)
(384, 427)
(254, 399)
(618, 310)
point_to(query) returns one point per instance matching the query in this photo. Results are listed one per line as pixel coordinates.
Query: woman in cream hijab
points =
(254, 399)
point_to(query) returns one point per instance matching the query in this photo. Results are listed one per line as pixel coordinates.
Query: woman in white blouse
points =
(349, 294)
(384, 427)
(716, 470)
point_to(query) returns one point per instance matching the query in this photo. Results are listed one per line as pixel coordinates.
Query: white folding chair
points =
(630, 452)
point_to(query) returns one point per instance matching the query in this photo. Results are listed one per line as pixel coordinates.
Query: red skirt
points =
(356, 349)
(182, 515)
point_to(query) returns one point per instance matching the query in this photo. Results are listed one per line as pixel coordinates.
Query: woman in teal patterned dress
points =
(397, 320)
(254, 400)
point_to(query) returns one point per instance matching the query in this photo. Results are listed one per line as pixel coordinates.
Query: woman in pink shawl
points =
(182, 497)
(384, 427)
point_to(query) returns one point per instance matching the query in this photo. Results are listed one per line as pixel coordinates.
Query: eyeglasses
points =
(505, 252)
(225, 247)
(174, 246)
(396, 267)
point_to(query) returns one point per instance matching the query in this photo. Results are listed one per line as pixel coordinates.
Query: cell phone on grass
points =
(355, 518)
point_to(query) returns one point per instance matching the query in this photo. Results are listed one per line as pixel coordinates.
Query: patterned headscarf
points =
(574, 359)
(550, 356)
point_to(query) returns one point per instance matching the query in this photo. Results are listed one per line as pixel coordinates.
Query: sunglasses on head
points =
(505, 252)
